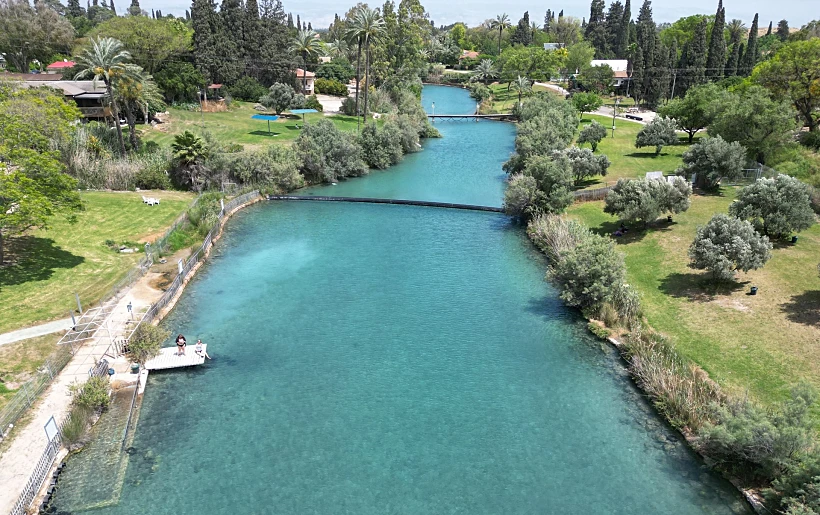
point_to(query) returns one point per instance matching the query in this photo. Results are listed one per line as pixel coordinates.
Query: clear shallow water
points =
(374, 359)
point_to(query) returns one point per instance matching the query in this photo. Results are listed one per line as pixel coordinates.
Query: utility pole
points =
(615, 112)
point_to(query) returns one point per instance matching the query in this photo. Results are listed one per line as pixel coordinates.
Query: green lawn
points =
(20, 360)
(236, 126)
(49, 266)
(628, 161)
(762, 344)
(504, 98)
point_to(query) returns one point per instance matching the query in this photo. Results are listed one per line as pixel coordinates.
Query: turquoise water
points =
(373, 359)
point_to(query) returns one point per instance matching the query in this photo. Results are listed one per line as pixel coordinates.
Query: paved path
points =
(33, 332)
(553, 87)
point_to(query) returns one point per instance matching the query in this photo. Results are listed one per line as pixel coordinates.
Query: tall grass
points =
(76, 426)
(555, 235)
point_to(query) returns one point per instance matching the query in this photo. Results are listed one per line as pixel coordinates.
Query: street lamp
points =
(614, 112)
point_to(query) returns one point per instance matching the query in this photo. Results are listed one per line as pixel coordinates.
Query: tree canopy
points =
(727, 244)
(777, 207)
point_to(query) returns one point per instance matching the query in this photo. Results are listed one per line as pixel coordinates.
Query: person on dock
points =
(181, 345)
(200, 350)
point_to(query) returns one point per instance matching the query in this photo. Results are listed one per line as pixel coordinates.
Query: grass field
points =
(628, 161)
(49, 266)
(762, 344)
(19, 360)
(236, 126)
(504, 100)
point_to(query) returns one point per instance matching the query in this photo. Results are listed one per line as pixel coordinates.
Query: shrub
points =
(312, 102)
(339, 69)
(555, 235)
(349, 106)
(585, 164)
(146, 342)
(410, 132)
(522, 196)
(154, 174)
(327, 154)
(74, 428)
(810, 140)
(776, 207)
(647, 199)
(554, 178)
(248, 89)
(381, 146)
(760, 443)
(713, 159)
(547, 125)
(727, 244)
(680, 390)
(279, 97)
(379, 101)
(592, 134)
(627, 302)
(586, 102)
(275, 169)
(601, 332)
(479, 92)
(93, 394)
(588, 273)
(657, 133)
(330, 87)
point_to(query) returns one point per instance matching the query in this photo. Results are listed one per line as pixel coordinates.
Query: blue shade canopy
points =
(269, 117)
(303, 111)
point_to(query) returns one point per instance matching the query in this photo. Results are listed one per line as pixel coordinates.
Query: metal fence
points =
(590, 195)
(37, 477)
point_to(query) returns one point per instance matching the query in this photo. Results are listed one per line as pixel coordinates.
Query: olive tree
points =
(647, 199)
(592, 134)
(713, 159)
(585, 164)
(589, 273)
(727, 244)
(776, 207)
(554, 178)
(279, 97)
(657, 133)
(522, 196)
(328, 154)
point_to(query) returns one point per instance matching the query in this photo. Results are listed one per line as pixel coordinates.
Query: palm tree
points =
(105, 59)
(189, 153)
(736, 29)
(501, 22)
(485, 70)
(367, 28)
(337, 48)
(307, 44)
(136, 92)
(353, 34)
(522, 85)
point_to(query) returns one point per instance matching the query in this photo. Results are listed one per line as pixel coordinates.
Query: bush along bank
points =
(770, 454)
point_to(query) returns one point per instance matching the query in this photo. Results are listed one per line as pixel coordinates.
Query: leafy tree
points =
(579, 55)
(566, 30)
(533, 62)
(480, 92)
(381, 146)
(484, 71)
(586, 102)
(27, 33)
(180, 81)
(754, 120)
(750, 57)
(548, 125)
(151, 43)
(589, 273)
(248, 89)
(554, 178)
(327, 154)
(522, 197)
(693, 112)
(501, 22)
(647, 199)
(106, 59)
(782, 30)
(657, 133)
(190, 153)
(777, 207)
(592, 134)
(585, 164)
(596, 78)
(717, 45)
(145, 342)
(596, 30)
(713, 159)
(727, 244)
(794, 73)
(338, 69)
(279, 97)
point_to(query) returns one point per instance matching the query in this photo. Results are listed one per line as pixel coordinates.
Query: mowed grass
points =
(236, 126)
(504, 98)
(49, 266)
(762, 344)
(627, 161)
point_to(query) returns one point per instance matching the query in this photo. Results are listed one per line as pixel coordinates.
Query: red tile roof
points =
(468, 54)
(60, 64)
(301, 73)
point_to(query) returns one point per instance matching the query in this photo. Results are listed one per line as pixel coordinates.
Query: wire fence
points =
(36, 480)
(590, 195)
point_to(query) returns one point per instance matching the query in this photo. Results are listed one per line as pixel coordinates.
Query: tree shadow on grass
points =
(646, 154)
(29, 258)
(264, 133)
(803, 308)
(698, 287)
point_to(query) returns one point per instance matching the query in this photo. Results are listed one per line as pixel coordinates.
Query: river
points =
(373, 359)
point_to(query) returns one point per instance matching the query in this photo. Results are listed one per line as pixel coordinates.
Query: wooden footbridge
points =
(366, 200)
(476, 117)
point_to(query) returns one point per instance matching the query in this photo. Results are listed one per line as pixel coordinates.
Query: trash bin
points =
(135, 368)
(794, 239)
(111, 371)
(753, 291)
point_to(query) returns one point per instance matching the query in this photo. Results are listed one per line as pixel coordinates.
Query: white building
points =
(619, 68)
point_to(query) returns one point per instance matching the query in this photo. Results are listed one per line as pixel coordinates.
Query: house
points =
(59, 66)
(553, 46)
(306, 77)
(2, 62)
(468, 54)
(619, 69)
(87, 94)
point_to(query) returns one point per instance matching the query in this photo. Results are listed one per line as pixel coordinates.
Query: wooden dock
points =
(167, 358)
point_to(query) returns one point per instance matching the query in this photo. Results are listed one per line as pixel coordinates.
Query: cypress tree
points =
(134, 9)
(159, 14)
(747, 63)
(769, 32)
(298, 22)
(113, 9)
(646, 32)
(73, 9)
(547, 20)
(561, 14)
(595, 30)
(522, 34)
(252, 38)
(304, 27)
(624, 32)
(782, 30)
(153, 15)
(734, 56)
(638, 66)
(187, 15)
(278, 63)
(717, 46)
(230, 39)
(205, 23)
(290, 20)
(309, 27)
(672, 65)
(656, 84)
(696, 70)
(613, 27)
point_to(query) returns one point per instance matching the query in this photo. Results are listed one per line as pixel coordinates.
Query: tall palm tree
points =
(522, 85)
(501, 22)
(307, 44)
(354, 35)
(367, 28)
(485, 70)
(337, 48)
(736, 29)
(106, 59)
(136, 92)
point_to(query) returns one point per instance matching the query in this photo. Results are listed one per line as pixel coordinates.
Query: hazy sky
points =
(443, 12)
